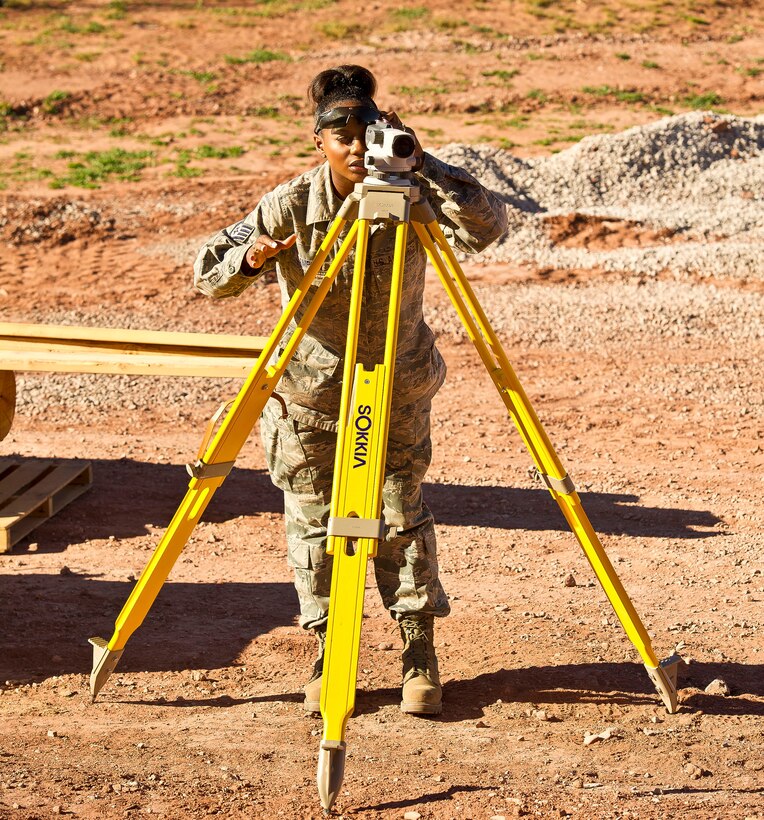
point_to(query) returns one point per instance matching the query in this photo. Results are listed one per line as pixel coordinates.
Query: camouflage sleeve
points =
(470, 215)
(220, 269)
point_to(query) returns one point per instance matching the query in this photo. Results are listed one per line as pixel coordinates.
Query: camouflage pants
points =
(301, 463)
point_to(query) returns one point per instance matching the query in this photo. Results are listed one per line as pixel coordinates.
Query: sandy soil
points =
(663, 438)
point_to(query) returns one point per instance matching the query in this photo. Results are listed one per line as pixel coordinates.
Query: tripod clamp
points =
(387, 199)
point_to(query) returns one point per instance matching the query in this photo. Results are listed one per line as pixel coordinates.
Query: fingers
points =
(265, 247)
(392, 118)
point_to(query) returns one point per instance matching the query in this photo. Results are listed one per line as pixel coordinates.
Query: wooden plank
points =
(124, 337)
(76, 347)
(20, 514)
(17, 479)
(7, 464)
(143, 364)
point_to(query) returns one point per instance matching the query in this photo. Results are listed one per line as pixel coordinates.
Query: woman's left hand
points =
(395, 121)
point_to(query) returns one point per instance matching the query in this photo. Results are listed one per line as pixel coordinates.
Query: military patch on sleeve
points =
(241, 232)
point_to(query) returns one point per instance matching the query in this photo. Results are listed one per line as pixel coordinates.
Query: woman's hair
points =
(345, 82)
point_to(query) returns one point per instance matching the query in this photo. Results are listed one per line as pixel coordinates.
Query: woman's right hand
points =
(265, 247)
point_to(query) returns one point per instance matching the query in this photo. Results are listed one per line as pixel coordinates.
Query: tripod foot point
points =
(331, 772)
(104, 662)
(664, 679)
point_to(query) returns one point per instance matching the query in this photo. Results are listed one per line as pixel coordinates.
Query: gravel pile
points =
(698, 175)
(57, 220)
(614, 316)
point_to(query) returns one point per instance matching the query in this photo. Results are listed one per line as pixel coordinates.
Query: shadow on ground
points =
(127, 495)
(598, 683)
(602, 684)
(47, 620)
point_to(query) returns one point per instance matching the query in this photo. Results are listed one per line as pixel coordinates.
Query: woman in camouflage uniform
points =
(283, 233)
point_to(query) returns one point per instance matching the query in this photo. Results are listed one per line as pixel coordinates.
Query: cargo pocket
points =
(300, 458)
(310, 374)
(283, 452)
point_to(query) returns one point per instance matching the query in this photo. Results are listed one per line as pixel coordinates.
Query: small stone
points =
(56, 809)
(65, 571)
(411, 815)
(570, 581)
(577, 783)
(717, 687)
(590, 738)
(52, 733)
(385, 646)
(33, 547)
(140, 745)
(481, 724)
(695, 772)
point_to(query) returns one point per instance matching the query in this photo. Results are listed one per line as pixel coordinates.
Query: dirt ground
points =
(180, 115)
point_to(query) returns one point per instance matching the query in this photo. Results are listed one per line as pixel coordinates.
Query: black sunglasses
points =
(339, 117)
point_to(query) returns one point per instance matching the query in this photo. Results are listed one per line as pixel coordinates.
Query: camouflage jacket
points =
(471, 218)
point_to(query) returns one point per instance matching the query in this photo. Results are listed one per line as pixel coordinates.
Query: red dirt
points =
(203, 716)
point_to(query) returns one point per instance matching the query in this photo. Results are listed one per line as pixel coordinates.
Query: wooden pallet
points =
(33, 491)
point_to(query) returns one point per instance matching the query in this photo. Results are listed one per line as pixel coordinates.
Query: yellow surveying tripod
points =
(356, 524)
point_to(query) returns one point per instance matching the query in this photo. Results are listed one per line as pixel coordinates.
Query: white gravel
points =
(699, 174)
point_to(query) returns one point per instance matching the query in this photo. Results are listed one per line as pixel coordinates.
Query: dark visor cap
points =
(339, 117)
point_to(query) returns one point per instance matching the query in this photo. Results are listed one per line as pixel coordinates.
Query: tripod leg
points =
(356, 524)
(548, 464)
(209, 472)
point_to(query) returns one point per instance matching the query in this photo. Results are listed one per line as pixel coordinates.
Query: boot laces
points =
(416, 649)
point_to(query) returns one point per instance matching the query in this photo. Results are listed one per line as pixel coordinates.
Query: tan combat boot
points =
(313, 686)
(422, 694)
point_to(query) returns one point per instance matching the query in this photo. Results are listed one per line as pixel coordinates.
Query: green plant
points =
(622, 55)
(537, 94)
(200, 76)
(649, 64)
(117, 9)
(259, 55)
(467, 47)
(183, 171)
(92, 27)
(270, 111)
(53, 103)
(502, 74)
(211, 152)
(708, 100)
(340, 31)
(95, 167)
(411, 13)
(448, 23)
(621, 95)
